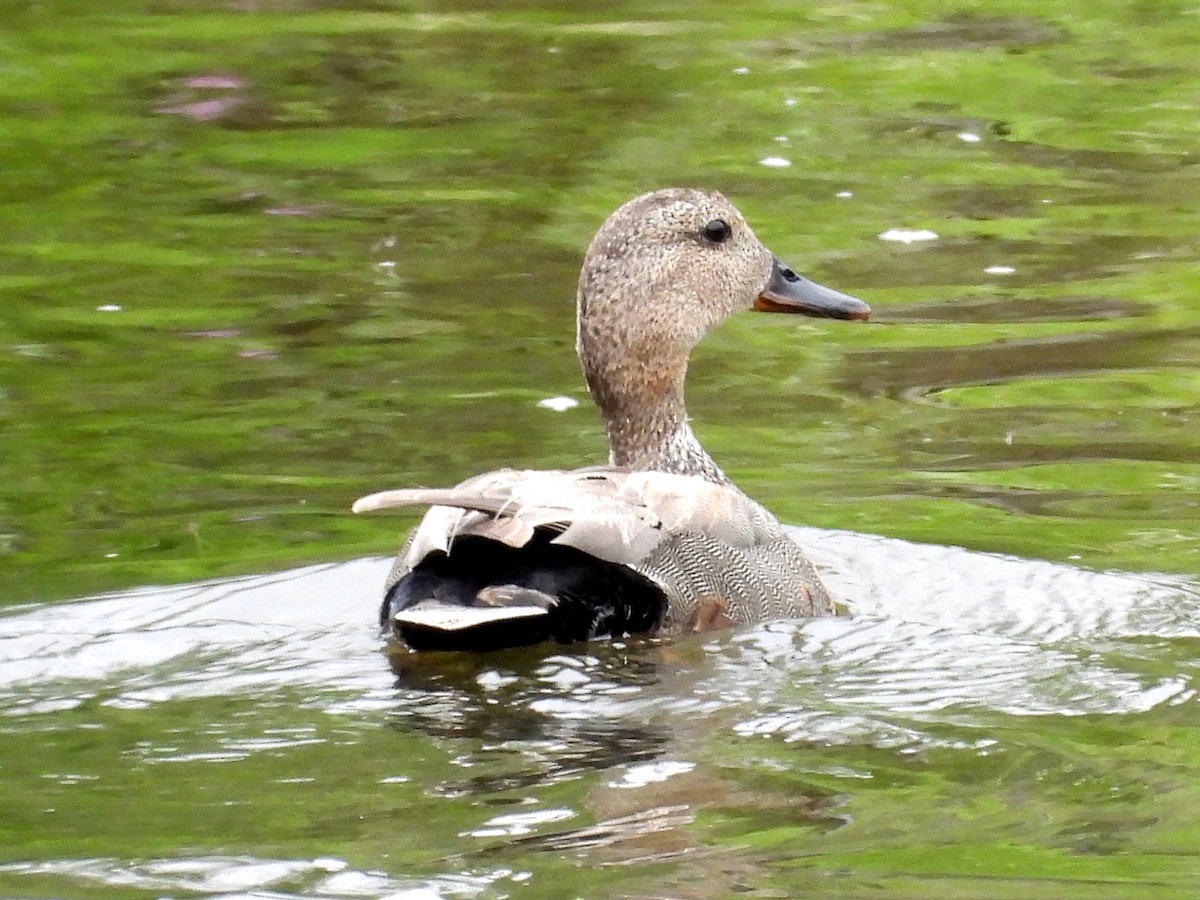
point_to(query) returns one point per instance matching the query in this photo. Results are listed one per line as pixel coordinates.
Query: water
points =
(269, 258)
(1035, 635)
(270, 697)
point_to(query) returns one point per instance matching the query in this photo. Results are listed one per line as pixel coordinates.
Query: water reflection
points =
(246, 877)
(1000, 309)
(954, 32)
(913, 373)
(1014, 263)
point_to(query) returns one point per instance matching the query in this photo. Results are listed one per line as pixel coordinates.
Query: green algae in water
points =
(261, 261)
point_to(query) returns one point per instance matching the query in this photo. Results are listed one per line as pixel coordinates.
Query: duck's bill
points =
(792, 293)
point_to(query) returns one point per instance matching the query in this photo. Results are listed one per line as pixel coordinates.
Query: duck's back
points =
(592, 552)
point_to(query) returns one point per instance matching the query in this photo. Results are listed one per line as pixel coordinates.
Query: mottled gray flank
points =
(652, 285)
(772, 579)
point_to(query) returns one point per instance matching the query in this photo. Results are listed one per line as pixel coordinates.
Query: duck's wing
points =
(585, 508)
(612, 514)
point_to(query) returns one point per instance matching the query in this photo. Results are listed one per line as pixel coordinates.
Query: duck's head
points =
(665, 268)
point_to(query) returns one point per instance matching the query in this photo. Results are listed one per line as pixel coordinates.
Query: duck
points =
(657, 541)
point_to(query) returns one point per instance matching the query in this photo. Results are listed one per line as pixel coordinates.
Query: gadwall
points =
(659, 538)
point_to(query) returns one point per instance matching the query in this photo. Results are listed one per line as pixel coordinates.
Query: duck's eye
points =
(718, 231)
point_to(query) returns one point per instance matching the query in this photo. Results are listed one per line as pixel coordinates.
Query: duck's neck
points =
(647, 424)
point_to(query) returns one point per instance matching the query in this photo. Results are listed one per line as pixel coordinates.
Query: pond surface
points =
(257, 259)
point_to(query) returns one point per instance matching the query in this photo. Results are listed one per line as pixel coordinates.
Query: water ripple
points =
(233, 877)
(935, 635)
